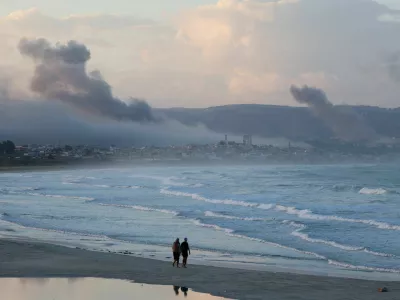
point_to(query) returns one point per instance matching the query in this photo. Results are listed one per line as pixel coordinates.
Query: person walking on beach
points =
(185, 250)
(176, 248)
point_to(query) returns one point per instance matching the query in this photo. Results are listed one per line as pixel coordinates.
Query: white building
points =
(247, 140)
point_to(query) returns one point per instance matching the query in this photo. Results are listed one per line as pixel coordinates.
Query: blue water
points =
(329, 219)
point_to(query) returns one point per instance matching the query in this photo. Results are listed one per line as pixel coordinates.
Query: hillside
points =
(296, 123)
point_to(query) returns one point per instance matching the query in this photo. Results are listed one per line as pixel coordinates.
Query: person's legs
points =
(185, 256)
(176, 259)
(184, 261)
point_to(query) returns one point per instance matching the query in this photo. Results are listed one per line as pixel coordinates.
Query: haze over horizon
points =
(96, 71)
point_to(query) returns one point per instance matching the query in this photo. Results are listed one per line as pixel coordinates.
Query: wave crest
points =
(204, 199)
(216, 215)
(308, 214)
(142, 208)
(368, 191)
(62, 196)
(362, 268)
(304, 236)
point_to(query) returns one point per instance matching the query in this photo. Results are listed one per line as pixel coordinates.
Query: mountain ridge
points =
(274, 121)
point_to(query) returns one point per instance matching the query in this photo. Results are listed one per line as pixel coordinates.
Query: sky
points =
(200, 53)
(153, 9)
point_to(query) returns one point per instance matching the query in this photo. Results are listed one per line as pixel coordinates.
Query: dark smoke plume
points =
(344, 122)
(53, 122)
(61, 74)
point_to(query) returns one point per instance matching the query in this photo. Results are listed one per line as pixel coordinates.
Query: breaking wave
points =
(101, 185)
(308, 214)
(166, 181)
(298, 233)
(368, 191)
(197, 185)
(361, 268)
(266, 206)
(204, 199)
(216, 215)
(142, 208)
(231, 232)
(212, 226)
(62, 196)
(15, 190)
(301, 213)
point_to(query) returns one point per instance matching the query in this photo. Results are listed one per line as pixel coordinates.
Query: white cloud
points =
(232, 51)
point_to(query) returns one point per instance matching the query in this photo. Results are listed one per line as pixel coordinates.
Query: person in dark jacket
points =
(176, 248)
(185, 250)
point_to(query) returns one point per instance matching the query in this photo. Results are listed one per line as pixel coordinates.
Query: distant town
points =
(316, 151)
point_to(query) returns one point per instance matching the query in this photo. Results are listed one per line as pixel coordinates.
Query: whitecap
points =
(197, 185)
(142, 208)
(201, 198)
(362, 268)
(165, 181)
(126, 187)
(308, 214)
(265, 206)
(368, 191)
(62, 196)
(100, 185)
(215, 215)
(231, 232)
(307, 238)
(212, 226)
(298, 233)
(321, 257)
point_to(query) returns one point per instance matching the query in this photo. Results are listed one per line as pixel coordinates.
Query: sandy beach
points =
(31, 259)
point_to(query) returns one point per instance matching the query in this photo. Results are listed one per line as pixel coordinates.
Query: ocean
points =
(338, 220)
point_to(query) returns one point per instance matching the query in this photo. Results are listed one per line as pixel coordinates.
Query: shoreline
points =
(34, 259)
(166, 163)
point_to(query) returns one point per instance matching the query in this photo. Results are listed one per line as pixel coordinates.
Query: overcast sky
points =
(197, 53)
(154, 9)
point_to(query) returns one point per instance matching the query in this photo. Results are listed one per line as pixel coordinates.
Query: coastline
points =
(33, 259)
(163, 163)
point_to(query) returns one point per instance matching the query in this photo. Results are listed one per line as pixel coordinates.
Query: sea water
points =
(340, 220)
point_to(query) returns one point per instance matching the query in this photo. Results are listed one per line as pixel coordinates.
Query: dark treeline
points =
(7, 147)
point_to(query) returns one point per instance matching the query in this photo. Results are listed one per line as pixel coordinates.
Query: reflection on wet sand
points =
(184, 290)
(90, 289)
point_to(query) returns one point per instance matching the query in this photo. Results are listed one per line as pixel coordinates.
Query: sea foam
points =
(368, 191)
(62, 196)
(361, 268)
(231, 232)
(298, 233)
(204, 199)
(308, 214)
(142, 208)
(216, 215)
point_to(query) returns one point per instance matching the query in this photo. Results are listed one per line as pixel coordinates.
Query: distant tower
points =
(247, 140)
(226, 139)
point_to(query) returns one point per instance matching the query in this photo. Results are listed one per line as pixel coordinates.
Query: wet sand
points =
(92, 289)
(31, 259)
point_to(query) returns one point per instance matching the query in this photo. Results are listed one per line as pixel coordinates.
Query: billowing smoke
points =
(64, 86)
(344, 122)
(53, 122)
(61, 74)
